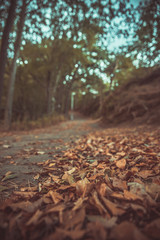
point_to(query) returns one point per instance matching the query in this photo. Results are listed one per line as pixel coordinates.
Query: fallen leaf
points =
(72, 219)
(56, 197)
(81, 186)
(118, 183)
(96, 230)
(96, 202)
(34, 218)
(122, 154)
(145, 173)
(59, 207)
(8, 157)
(25, 194)
(131, 196)
(94, 164)
(9, 176)
(36, 177)
(68, 178)
(112, 207)
(154, 190)
(79, 203)
(40, 152)
(71, 171)
(107, 223)
(121, 163)
(152, 229)
(6, 146)
(64, 234)
(127, 231)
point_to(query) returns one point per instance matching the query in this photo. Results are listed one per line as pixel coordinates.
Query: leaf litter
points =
(106, 185)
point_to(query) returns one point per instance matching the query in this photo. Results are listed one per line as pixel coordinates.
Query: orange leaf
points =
(131, 196)
(56, 197)
(121, 163)
(112, 207)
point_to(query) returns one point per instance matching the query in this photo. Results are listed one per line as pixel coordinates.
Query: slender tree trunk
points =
(101, 99)
(52, 89)
(5, 40)
(8, 110)
(49, 92)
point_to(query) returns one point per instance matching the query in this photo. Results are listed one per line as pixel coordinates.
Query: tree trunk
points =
(49, 92)
(8, 110)
(5, 41)
(52, 88)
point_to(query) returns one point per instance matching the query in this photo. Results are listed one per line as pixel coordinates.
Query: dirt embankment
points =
(138, 101)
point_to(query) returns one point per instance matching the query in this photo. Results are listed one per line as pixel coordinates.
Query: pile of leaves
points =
(105, 186)
(136, 101)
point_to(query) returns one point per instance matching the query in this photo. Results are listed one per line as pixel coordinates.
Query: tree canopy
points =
(85, 47)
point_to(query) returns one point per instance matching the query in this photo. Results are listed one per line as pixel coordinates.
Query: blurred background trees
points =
(52, 49)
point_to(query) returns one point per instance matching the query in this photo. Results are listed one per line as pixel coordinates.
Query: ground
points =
(80, 180)
(21, 151)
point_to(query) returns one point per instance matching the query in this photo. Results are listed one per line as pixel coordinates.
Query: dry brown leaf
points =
(145, 173)
(108, 181)
(71, 170)
(57, 208)
(74, 219)
(52, 164)
(122, 154)
(101, 166)
(54, 178)
(79, 203)
(117, 195)
(154, 190)
(127, 231)
(64, 187)
(36, 177)
(25, 194)
(118, 183)
(81, 186)
(96, 230)
(102, 190)
(152, 229)
(96, 202)
(93, 177)
(34, 218)
(107, 223)
(29, 189)
(56, 197)
(121, 163)
(131, 196)
(94, 164)
(63, 234)
(68, 178)
(112, 207)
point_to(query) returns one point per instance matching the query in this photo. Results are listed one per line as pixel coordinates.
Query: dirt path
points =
(21, 151)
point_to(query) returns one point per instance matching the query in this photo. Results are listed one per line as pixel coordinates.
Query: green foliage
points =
(146, 39)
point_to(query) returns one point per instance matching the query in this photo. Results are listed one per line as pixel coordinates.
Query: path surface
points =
(21, 151)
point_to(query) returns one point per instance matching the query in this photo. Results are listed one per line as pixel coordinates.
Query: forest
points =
(64, 55)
